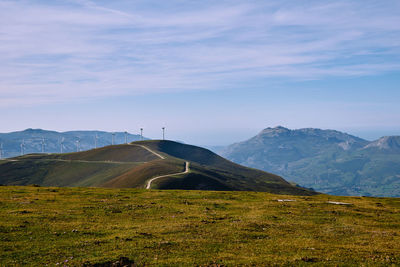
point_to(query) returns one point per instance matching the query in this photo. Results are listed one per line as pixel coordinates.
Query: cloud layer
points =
(53, 51)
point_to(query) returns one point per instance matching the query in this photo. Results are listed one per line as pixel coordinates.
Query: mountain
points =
(387, 143)
(33, 138)
(143, 164)
(328, 161)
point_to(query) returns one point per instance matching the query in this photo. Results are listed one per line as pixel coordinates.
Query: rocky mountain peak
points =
(272, 132)
(386, 143)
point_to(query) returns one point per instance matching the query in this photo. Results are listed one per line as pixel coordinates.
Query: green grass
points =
(40, 226)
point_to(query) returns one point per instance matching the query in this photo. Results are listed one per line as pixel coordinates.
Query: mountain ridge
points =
(32, 139)
(327, 160)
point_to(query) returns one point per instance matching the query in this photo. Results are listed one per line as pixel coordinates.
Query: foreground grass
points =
(71, 226)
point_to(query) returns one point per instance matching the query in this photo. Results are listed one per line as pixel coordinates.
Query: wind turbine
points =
(126, 137)
(95, 141)
(141, 134)
(22, 147)
(42, 144)
(113, 138)
(163, 133)
(1, 151)
(78, 145)
(61, 145)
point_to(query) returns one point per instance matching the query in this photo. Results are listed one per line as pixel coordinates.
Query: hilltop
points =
(327, 160)
(142, 164)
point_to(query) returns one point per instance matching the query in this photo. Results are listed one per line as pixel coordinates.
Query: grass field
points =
(48, 226)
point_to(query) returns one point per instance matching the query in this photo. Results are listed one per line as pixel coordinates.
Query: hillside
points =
(326, 160)
(53, 141)
(143, 164)
(42, 226)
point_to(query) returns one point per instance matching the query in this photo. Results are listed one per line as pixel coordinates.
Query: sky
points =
(211, 72)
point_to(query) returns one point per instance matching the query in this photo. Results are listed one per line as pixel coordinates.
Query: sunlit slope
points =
(59, 173)
(116, 153)
(137, 177)
(212, 172)
(152, 164)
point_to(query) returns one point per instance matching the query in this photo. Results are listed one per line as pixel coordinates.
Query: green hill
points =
(144, 164)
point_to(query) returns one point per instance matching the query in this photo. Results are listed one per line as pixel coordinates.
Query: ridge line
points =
(150, 150)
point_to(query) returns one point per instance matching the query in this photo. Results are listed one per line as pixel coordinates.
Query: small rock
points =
(339, 203)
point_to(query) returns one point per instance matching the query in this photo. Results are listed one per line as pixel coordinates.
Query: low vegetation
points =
(133, 165)
(85, 226)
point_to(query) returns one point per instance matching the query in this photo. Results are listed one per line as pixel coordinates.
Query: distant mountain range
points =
(326, 160)
(144, 164)
(33, 139)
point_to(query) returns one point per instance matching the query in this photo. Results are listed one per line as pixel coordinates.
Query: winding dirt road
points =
(70, 161)
(148, 185)
(152, 151)
(163, 176)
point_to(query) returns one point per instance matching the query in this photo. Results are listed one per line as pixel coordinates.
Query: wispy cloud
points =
(63, 50)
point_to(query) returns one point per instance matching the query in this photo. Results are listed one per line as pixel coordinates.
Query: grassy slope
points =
(132, 166)
(138, 176)
(89, 168)
(41, 226)
(212, 171)
(58, 173)
(119, 153)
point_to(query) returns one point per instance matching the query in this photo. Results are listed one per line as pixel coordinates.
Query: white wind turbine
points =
(42, 144)
(23, 147)
(61, 145)
(113, 138)
(78, 148)
(95, 141)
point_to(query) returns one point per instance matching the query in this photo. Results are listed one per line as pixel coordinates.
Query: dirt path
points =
(163, 176)
(152, 151)
(72, 160)
(148, 185)
(93, 161)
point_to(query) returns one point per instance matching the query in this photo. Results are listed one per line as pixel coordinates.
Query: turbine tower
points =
(61, 145)
(22, 147)
(126, 137)
(78, 148)
(1, 151)
(163, 133)
(113, 138)
(95, 141)
(141, 134)
(42, 144)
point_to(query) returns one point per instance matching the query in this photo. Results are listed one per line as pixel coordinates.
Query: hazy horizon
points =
(234, 137)
(212, 73)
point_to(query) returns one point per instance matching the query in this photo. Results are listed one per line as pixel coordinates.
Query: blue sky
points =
(212, 72)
